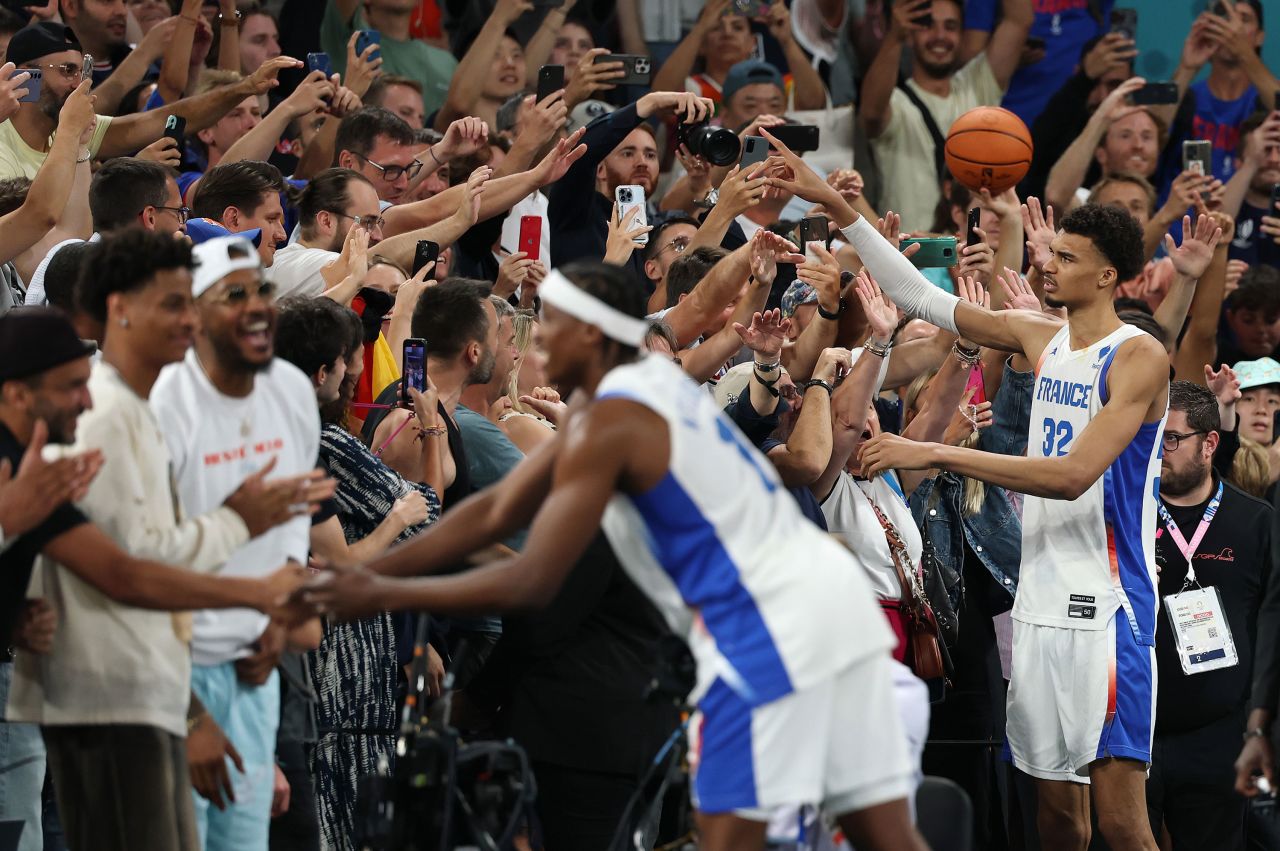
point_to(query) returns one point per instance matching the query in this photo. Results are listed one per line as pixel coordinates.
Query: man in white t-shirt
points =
(905, 148)
(227, 408)
(334, 200)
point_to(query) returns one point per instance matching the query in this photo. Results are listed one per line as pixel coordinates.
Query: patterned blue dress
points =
(354, 669)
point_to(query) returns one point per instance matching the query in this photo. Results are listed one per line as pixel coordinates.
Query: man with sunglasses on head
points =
(334, 201)
(227, 408)
(53, 49)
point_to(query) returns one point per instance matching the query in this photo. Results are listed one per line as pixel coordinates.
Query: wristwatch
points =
(818, 382)
(708, 201)
(827, 314)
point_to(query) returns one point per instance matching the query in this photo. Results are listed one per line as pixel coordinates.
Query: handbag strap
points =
(939, 141)
(898, 554)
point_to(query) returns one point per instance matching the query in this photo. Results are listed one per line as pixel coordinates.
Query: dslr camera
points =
(716, 145)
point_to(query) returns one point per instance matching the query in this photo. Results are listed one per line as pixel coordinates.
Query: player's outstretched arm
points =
(593, 459)
(482, 519)
(1137, 383)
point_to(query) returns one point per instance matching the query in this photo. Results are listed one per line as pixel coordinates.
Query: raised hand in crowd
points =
(164, 151)
(1037, 225)
(591, 77)
(1021, 296)
(1235, 269)
(686, 106)
(1192, 257)
(362, 68)
(977, 260)
(13, 87)
(742, 190)
(1113, 50)
(882, 315)
(462, 138)
(968, 419)
(514, 270)
(40, 485)
(765, 335)
(623, 237)
(566, 152)
(1225, 386)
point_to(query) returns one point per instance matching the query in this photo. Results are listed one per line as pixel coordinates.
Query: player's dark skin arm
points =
(1137, 386)
(617, 445)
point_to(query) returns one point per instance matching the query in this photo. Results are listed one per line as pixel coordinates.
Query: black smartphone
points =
(319, 62)
(755, 150)
(174, 127)
(637, 68)
(971, 227)
(413, 367)
(1155, 94)
(1125, 22)
(1275, 199)
(1275, 426)
(813, 229)
(550, 80)
(798, 137)
(427, 252)
(32, 85)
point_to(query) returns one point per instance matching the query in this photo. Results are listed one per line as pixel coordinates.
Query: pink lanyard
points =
(1188, 548)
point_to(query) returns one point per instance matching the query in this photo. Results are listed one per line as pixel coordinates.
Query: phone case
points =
(32, 85)
(530, 236)
(633, 196)
(755, 149)
(935, 252)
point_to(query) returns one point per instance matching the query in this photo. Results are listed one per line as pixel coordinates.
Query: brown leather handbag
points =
(925, 645)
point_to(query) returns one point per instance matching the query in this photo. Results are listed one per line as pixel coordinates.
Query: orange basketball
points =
(988, 147)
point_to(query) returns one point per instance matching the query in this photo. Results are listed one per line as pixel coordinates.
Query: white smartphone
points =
(630, 196)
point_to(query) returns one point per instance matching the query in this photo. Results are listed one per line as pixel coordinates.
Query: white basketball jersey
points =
(768, 602)
(1085, 558)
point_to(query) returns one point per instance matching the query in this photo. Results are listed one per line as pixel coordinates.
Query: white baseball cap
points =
(219, 257)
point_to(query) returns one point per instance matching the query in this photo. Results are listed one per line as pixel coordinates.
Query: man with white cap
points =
(794, 685)
(116, 680)
(226, 409)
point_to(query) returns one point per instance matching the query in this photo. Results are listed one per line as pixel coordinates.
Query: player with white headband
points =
(794, 686)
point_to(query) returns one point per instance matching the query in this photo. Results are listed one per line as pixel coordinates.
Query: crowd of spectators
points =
(223, 222)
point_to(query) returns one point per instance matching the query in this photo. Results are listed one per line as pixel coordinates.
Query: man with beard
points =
(897, 117)
(53, 49)
(1229, 38)
(334, 201)
(1248, 193)
(620, 151)
(115, 682)
(44, 388)
(1215, 537)
(228, 407)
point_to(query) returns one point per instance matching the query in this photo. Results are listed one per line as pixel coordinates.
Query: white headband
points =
(559, 291)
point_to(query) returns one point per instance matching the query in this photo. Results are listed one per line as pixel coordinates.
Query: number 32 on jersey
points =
(1057, 437)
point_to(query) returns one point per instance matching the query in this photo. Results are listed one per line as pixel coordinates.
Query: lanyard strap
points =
(1188, 548)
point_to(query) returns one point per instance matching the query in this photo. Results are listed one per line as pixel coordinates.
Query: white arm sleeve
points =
(902, 281)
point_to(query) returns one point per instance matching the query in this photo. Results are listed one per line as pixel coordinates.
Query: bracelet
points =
(1256, 732)
(818, 382)
(880, 350)
(767, 367)
(968, 357)
(827, 314)
(432, 150)
(87, 156)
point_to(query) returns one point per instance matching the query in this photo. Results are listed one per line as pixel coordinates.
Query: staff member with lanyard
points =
(1213, 548)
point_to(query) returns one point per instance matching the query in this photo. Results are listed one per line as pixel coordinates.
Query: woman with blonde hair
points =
(530, 418)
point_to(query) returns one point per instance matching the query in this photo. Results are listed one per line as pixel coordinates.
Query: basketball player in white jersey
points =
(1082, 692)
(795, 697)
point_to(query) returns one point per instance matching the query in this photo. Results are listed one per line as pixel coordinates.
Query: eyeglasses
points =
(1173, 438)
(183, 213)
(680, 243)
(238, 294)
(394, 172)
(71, 70)
(366, 222)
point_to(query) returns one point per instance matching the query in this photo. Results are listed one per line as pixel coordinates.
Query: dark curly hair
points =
(612, 285)
(1113, 232)
(126, 261)
(316, 332)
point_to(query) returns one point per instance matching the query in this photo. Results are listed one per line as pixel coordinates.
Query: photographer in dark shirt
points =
(1200, 716)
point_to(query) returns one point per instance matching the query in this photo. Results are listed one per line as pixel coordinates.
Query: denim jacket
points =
(994, 533)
